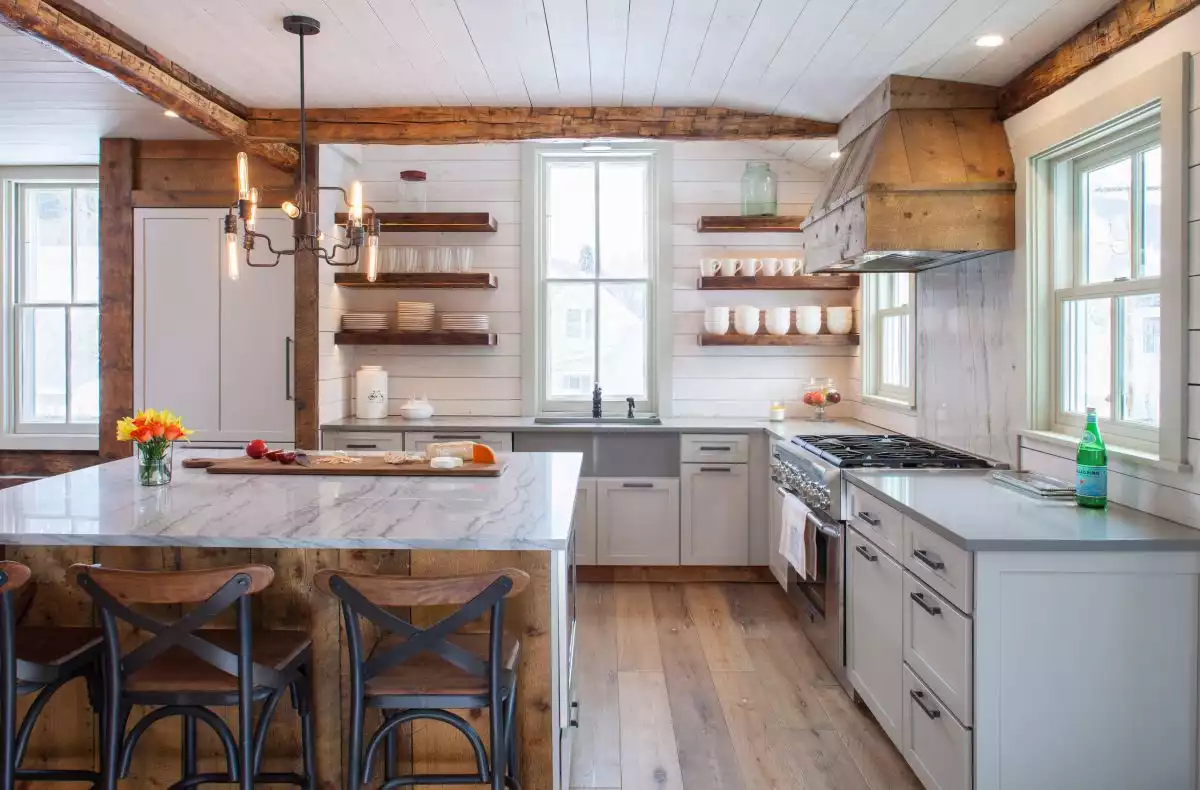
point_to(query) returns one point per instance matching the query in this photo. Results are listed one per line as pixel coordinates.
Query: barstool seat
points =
(430, 674)
(179, 670)
(60, 648)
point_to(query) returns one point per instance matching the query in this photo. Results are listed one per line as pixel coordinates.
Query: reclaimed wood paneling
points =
(307, 318)
(45, 463)
(117, 161)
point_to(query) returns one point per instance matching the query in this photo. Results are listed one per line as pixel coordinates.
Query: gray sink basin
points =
(584, 420)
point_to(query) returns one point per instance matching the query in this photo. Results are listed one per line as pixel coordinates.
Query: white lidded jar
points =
(371, 393)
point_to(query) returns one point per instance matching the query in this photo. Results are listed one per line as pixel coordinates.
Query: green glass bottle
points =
(1091, 466)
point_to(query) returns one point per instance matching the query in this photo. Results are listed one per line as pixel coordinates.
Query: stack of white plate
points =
(465, 322)
(365, 322)
(414, 316)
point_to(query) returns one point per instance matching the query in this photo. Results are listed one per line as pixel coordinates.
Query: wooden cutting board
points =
(368, 466)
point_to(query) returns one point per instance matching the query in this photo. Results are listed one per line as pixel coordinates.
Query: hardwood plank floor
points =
(712, 685)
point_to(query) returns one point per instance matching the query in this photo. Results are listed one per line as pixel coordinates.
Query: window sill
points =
(48, 442)
(891, 404)
(1032, 438)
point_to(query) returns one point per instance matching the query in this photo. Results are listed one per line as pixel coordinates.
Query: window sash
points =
(596, 280)
(21, 390)
(879, 290)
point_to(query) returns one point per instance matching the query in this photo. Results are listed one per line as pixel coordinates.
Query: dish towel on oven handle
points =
(798, 538)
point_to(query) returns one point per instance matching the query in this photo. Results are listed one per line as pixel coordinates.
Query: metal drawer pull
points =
(362, 447)
(863, 551)
(716, 448)
(637, 485)
(457, 437)
(929, 559)
(919, 698)
(716, 469)
(867, 517)
(921, 602)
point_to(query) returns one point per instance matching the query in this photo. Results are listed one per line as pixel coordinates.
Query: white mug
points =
(709, 267)
(746, 320)
(716, 320)
(729, 267)
(772, 267)
(779, 320)
(791, 267)
(840, 319)
(808, 319)
(752, 267)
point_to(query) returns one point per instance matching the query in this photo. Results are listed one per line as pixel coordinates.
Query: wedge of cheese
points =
(467, 451)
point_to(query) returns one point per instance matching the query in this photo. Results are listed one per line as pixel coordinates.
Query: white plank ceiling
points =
(814, 58)
(54, 110)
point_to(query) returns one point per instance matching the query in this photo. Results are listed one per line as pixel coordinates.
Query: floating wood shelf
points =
(417, 280)
(414, 339)
(799, 282)
(763, 339)
(432, 222)
(749, 224)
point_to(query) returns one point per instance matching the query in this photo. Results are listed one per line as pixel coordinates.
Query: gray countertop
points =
(782, 430)
(529, 507)
(973, 512)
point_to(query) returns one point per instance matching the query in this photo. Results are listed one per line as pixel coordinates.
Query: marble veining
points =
(970, 356)
(971, 511)
(529, 507)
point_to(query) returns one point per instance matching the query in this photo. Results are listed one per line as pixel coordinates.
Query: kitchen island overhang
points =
(417, 526)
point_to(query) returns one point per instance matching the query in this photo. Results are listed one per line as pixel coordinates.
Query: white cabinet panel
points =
(882, 524)
(936, 745)
(937, 645)
(256, 350)
(777, 562)
(637, 521)
(715, 520)
(939, 563)
(416, 441)
(874, 621)
(585, 522)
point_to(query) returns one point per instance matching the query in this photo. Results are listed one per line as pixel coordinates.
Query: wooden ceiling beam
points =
(444, 125)
(84, 37)
(1123, 25)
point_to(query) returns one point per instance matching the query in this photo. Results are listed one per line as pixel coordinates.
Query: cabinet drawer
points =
(881, 524)
(415, 441)
(372, 440)
(940, 564)
(937, 645)
(702, 448)
(936, 745)
(874, 655)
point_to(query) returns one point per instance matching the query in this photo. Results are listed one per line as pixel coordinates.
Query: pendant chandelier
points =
(358, 231)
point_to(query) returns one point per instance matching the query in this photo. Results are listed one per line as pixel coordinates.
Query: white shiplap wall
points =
(335, 370)
(706, 381)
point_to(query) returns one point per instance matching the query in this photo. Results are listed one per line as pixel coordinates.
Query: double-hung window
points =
(889, 337)
(53, 312)
(596, 249)
(1107, 270)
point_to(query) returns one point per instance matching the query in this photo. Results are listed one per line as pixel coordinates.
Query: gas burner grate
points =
(889, 451)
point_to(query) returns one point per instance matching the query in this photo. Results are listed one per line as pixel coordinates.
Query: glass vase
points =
(154, 462)
(759, 193)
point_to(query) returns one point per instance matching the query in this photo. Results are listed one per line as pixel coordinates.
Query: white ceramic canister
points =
(371, 393)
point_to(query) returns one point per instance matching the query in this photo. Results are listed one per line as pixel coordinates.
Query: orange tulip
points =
(172, 432)
(142, 435)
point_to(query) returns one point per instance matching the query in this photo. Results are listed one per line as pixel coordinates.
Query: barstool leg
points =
(8, 718)
(309, 743)
(499, 751)
(111, 732)
(389, 754)
(510, 732)
(188, 763)
(354, 767)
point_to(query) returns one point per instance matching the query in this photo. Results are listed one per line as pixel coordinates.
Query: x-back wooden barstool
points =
(185, 669)
(37, 660)
(426, 673)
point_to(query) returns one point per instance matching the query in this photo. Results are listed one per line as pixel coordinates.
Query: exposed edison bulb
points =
(243, 173)
(356, 204)
(291, 209)
(232, 263)
(253, 208)
(372, 258)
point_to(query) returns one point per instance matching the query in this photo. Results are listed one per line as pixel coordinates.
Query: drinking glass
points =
(410, 260)
(429, 259)
(463, 259)
(444, 260)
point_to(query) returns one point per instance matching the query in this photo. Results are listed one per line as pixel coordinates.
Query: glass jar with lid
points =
(412, 190)
(759, 196)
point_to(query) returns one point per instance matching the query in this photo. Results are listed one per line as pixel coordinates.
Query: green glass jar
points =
(759, 193)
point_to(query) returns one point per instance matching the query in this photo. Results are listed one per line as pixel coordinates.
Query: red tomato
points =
(287, 457)
(256, 448)
(273, 455)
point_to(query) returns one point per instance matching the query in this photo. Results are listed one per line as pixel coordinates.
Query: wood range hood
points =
(925, 178)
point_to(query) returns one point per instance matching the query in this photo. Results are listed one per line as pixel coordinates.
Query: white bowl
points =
(423, 412)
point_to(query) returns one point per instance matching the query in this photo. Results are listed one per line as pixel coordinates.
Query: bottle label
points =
(1091, 481)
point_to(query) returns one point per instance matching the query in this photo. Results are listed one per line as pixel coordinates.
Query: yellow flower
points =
(125, 429)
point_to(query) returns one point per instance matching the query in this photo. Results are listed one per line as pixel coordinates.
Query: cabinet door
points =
(714, 526)
(416, 441)
(874, 644)
(585, 522)
(177, 309)
(256, 342)
(777, 562)
(637, 521)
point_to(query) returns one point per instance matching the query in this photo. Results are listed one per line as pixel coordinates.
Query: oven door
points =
(819, 601)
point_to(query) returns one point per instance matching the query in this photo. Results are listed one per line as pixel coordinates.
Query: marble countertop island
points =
(529, 507)
(974, 513)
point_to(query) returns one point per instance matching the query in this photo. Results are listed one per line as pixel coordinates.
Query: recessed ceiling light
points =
(170, 113)
(990, 40)
(834, 154)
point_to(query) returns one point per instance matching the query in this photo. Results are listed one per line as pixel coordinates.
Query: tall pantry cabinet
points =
(215, 351)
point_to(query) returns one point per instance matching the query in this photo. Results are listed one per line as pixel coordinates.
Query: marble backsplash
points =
(970, 345)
